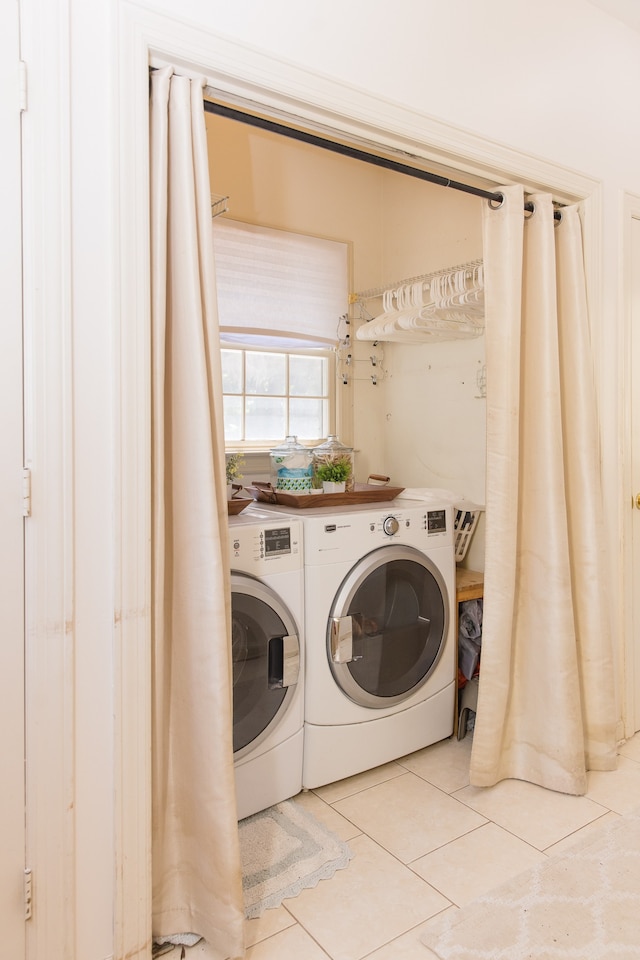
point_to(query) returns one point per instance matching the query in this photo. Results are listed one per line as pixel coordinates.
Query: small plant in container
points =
(234, 474)
(334, 475)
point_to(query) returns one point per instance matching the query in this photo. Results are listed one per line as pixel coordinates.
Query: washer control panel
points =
(275, 541)
(260, 548)
(390, 526)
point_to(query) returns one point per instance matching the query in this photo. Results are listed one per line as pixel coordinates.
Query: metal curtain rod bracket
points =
(347, 151)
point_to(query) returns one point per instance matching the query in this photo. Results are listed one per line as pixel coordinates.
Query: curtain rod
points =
(347, 151)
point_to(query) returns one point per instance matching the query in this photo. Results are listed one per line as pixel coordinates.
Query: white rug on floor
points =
(580, 905)
(283, 851)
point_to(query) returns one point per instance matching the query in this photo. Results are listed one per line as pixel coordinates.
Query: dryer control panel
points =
(436, 522)
(433, 521)
(266, 548)
(337, 536)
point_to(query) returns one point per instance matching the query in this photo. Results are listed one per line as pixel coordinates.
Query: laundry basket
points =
(465, 521)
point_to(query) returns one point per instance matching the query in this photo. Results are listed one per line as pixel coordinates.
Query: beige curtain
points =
(546, 709)
(197, 885)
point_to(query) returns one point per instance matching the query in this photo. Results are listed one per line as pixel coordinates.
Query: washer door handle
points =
(346, 636)
(284, 662)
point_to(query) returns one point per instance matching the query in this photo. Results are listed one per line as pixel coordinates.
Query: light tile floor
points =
(425, 841)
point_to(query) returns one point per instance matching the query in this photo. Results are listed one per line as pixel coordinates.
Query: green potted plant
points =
(333, 475)
(234, 474)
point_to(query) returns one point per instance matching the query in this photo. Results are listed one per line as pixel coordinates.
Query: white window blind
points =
(278, 287)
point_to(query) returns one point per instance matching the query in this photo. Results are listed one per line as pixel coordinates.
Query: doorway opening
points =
(240, 77)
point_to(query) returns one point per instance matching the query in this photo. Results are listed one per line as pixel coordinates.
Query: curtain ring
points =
(496, 202)
(529, 210)
(557, 218)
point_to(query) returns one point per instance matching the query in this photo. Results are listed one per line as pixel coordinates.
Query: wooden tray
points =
(237, 505)
(363, 493)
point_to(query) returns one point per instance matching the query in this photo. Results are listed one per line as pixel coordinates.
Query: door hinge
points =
(26, 492)
(22, 85)
(28, 894)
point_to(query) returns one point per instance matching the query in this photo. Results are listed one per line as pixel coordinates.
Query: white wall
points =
(545, 77)
(553, 79)
(433, 417)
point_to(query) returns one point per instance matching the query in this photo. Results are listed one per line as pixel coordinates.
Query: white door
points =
(12, 795)
(634, 273)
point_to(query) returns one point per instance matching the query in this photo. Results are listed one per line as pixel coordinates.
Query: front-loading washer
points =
(267, 593)
(379, 634)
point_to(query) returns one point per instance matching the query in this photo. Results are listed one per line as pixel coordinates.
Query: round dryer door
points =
(388, 626)
(266, 660)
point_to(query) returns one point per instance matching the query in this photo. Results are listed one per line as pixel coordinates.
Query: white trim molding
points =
(49, 454)
(630, 210)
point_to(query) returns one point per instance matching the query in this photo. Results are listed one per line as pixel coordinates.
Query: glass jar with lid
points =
(291, 466)
(333, 461)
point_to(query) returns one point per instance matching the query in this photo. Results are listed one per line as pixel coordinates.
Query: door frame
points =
(281, 90)
(629, 540)
(12, 648)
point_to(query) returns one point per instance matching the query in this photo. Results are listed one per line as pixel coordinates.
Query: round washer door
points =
(266, 660)
(388, 626)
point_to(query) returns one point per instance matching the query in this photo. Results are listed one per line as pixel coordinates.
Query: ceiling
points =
(627, 11)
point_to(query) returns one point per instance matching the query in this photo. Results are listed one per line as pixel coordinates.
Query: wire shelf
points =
(374, 292)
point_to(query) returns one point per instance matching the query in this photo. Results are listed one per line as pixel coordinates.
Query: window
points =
(270, 394)
(281, 297)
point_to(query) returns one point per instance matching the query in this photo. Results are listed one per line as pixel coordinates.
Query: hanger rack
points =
(375, 292)
(346, 362)
(218, 205)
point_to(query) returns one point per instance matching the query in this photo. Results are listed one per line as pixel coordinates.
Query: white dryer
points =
(267, 592)
(380, 630)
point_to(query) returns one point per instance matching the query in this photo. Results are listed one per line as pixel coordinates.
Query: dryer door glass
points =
(261, 679)
(395, 604)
